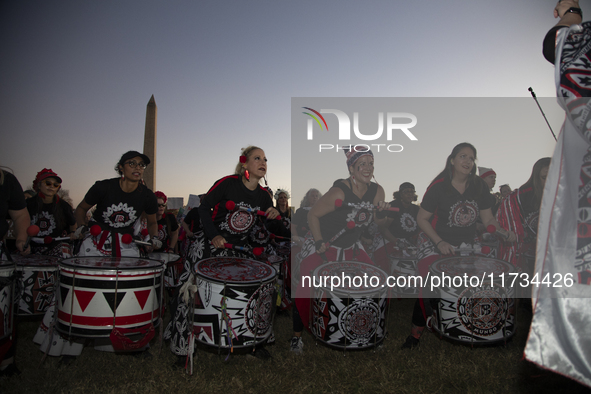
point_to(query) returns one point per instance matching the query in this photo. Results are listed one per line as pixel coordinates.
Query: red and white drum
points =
(483, 312)
(97, 293)
(352, 316)
(403, 263)
(235, 290)
(37, 282)
(174, 267)
(6, 298)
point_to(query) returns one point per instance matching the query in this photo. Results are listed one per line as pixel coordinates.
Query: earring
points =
(265, 178)
(247, 175)
(354, 181)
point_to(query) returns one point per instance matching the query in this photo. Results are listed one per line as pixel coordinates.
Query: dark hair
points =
(447, 173)
(534, 180)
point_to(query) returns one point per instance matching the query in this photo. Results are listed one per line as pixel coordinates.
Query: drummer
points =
(12, 204)
(223, 226)
(120, 203)
(53, 215)
(300, 227)
(459, 197)
(168, 228)
(326, 221)
(282, 205)
(400, 228)
(520, 212)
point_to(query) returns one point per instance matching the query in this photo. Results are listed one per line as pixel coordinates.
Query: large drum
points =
(6, 298)
(174, 267)
(98, 293)
(37, 282)
(483, 312)
(235, 301)
(403, 263)
(352, 316)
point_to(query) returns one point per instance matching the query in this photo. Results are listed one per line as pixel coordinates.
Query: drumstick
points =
(127, 239)
(475, 249)
(492, 229)
(339, 203)
(231, 206)
(32, 231)
(255, 251)
(273, 236)
(48, 239)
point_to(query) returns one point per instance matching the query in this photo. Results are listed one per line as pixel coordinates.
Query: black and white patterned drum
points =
(235, 301)
(96, 293)
(352, 316)
(483, 312)
(7, 282)
(37, 283)
(403, 263)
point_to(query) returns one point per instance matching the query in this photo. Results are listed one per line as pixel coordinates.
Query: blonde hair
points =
(239, 170)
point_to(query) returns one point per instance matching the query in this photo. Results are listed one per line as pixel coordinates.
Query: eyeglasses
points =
(162, 205)
(133, 164)
(50, 183)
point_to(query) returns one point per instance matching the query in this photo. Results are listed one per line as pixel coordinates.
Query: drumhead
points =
(108, 263)
(354, 270)
(471, 266)
(234, 270)
(35, 260)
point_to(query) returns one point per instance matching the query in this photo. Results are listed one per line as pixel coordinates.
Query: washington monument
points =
(150, 143)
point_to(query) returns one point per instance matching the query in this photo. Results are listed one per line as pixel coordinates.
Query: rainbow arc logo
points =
(315, 118)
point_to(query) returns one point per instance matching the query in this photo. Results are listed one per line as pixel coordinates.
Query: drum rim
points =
(156, 264)
(267, 279)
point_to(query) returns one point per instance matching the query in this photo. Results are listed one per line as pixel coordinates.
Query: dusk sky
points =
(77, 76)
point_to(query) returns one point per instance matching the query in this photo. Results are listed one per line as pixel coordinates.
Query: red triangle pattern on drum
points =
(142, 297)
(84, 298)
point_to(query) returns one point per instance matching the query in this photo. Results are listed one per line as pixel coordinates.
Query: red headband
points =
(161, 195)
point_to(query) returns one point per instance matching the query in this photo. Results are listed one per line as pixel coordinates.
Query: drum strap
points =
(122, 343)
(102, 240)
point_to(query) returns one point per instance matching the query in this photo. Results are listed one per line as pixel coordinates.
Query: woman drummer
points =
(168, 228)
(227, 224)
(53, 215)
(300, 227)
(326, 221)
(120, 203)
(459, 197)
(282, 205)
(519, 213)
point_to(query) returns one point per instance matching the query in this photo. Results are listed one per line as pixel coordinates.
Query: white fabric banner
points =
(560, 334)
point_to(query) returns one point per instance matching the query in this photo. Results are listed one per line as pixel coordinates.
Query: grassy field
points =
(437, 366)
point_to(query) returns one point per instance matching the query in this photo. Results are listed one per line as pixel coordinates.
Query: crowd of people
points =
(237, 220)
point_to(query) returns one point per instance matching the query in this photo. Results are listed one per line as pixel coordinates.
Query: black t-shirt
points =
(404, 224)
(456, 214)
(166, 226)
(333, 222)
(234, 225)
(11, 198)
(116, 210)
(46, 219)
